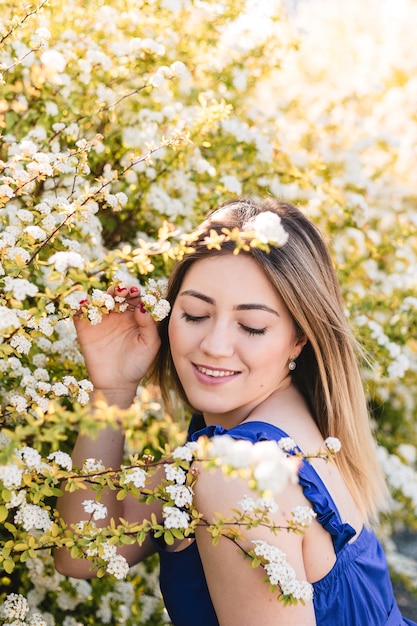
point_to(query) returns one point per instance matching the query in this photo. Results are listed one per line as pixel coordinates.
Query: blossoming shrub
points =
(118, 132)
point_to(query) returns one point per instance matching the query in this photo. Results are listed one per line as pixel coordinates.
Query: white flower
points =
(20, 287)
(36, 620)
(121, 198)
(92, 466)
(108, 551)
(271, 468)
(53, 61)
(409, 452)
(59, 389)
(281, 573)
(333, 444)
(17, 499)
(94, 315)
(15, 606)
(11, 475)
(43, 34)
(174, 518)
(298, 589)
(118, 567)
(83, 397)
(8, 318)
(6, 191)
(21, 344)
(181, 495)
(150, 45)
(267, 227)
(267, 551)
(287, 444)
(101, 298)
(232, 184)
(186, 453)
(178, 68)
(249, 505)
(62, 459)
(176, 474)
(45, 326)
(153, 299)
(36, 232)
(303, 515)
(63, 260)
(31, 458)
(135, 475)
(98, 510)
(157, 80)
(231, 451)
(161, 310)
(32, 516)
(73, 299)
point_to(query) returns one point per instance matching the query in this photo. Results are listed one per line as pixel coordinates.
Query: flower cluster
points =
(267, 228)
(281, 574)
(15, 609)
(264, 463)
(177, 514)
(153, 299)
(116, 564)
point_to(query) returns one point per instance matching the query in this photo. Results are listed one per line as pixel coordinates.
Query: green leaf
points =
(168, 537)
(4, 512)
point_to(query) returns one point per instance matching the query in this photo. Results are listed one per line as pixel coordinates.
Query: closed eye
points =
(193, 318)
(253, 331)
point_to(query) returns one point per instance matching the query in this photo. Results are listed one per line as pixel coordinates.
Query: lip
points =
(213, 375)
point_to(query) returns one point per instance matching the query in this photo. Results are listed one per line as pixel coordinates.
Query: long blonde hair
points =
(327, 373)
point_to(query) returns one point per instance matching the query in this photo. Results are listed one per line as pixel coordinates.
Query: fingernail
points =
(83, 301)
(142, 308)
(120, 289)
(134, 290)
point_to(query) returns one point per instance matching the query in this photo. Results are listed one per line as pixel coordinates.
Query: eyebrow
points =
(239, 307)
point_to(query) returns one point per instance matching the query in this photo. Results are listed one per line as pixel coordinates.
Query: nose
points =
(217, 340)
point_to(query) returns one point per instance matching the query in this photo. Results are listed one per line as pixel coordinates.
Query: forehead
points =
(238, 275)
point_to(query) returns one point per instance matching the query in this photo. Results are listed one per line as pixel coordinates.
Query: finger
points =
(147, 327)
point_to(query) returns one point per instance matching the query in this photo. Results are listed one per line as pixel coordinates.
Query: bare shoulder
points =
(288, 411)
(227, 569)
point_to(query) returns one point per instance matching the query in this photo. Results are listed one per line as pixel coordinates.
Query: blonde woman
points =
(258, 346)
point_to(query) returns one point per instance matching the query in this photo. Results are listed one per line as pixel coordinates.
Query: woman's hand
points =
(120, 349)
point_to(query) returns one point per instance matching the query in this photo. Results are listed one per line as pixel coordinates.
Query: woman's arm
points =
(238, 591)
(118, 352)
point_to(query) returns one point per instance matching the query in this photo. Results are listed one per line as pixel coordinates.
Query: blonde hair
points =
(327, 373)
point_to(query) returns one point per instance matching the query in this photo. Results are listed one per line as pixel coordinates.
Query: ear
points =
(300, 342)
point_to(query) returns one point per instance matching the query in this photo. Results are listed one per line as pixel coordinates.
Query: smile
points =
(215, 373)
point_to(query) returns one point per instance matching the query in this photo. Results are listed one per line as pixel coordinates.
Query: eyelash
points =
(250, 331)
(253, 331)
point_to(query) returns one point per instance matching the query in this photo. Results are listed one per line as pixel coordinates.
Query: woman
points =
(258, 345)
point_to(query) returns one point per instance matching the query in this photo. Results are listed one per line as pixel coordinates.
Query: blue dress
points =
(356, 592)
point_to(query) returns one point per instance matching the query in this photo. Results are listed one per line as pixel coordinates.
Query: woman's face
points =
(231, 338)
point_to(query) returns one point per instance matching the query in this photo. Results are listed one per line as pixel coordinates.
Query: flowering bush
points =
(117, 135)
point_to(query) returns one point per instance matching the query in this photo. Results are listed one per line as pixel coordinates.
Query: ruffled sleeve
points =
(313, 487)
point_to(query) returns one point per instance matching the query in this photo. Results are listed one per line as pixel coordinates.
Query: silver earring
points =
(292, 365)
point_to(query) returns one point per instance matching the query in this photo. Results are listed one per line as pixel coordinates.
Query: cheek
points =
(176, 335)
(171, 331)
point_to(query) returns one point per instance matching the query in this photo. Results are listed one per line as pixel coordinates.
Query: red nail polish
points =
(83, 301)
(120, 289)
(142, 308)
(134, 290)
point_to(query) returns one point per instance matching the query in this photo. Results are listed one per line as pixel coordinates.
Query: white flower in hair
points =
(268, 228)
